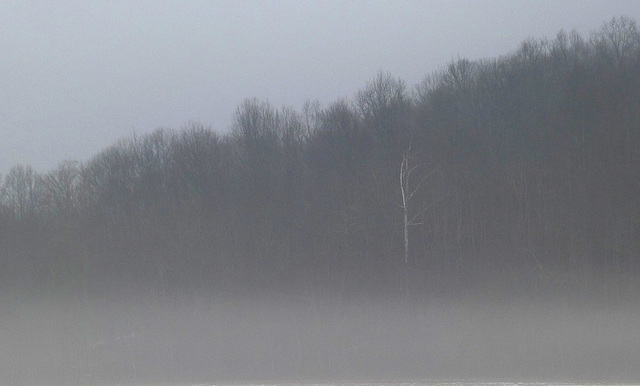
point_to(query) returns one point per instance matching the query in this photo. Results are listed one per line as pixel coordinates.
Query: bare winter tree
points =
(617, 40)
(21, 191)
(61, 188)
(408, 190)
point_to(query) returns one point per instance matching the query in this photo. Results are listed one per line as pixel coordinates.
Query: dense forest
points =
(501, 178)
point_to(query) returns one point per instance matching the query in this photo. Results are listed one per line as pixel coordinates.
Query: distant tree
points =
(61, 189)
(200, 166)
(109, 180)
(21, 191)
(617, 41)
(383, 105)
(569, 49)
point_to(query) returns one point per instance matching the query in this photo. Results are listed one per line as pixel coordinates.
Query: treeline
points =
(496, 177)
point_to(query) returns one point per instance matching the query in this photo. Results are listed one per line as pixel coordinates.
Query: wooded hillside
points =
(502, 177)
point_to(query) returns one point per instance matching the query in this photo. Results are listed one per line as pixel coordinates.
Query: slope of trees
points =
(523, 178)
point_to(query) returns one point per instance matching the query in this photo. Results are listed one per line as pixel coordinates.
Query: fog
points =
(287, 339)
(462, 220)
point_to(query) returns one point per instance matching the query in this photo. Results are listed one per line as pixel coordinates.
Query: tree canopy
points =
(526, 171)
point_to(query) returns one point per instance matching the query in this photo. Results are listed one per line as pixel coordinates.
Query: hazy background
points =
(78, 75)
(285, 248)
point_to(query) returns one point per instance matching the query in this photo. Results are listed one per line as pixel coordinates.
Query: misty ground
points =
(289, 338)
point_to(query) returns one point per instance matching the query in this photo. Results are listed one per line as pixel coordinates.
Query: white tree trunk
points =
(404, 185)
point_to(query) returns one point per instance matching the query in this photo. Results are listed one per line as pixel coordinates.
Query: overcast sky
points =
(75, 76)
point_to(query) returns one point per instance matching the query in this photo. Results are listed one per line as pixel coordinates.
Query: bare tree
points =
(61, 188)
(382, 104)
(408, 191)
(617, 40)
(21, 191)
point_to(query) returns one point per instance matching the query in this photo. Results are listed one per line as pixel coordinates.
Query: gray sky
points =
(75, 76)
